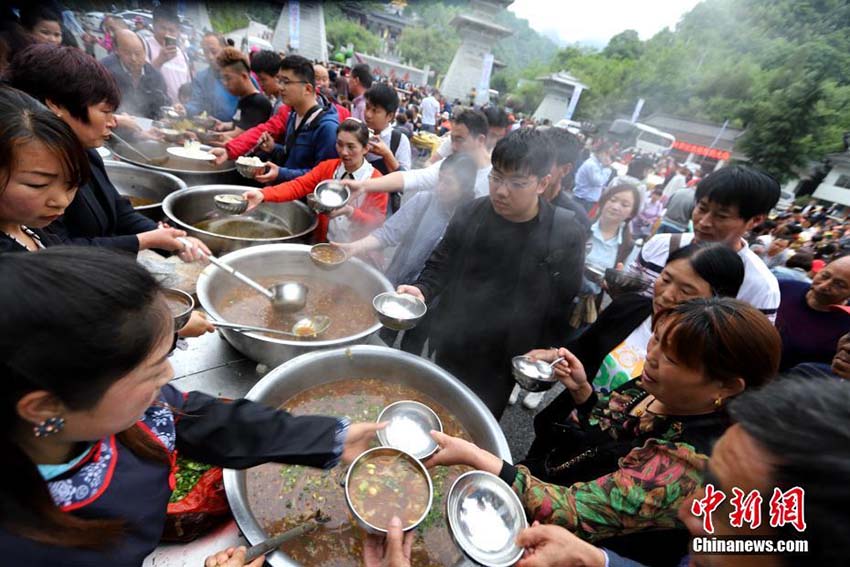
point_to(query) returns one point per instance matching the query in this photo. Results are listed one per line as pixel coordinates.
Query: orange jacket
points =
(368, 216)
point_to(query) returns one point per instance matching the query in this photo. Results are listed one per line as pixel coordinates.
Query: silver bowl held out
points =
(399, 311)
(362, 361)
(485, 517)
(279, 261)
(409, 426)
(330, 195)
(533, 375)
(196, 204)
(179, 297)
(137, 182)
(317, 249)
(362, 522)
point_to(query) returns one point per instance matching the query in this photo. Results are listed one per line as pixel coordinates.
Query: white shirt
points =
(175, 71)
(402, 152)
(760, 288)
(339, 228)
(430, 107)
(445, 149)
(426, 179)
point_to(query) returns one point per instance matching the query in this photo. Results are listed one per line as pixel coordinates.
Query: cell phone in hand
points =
(170, 40)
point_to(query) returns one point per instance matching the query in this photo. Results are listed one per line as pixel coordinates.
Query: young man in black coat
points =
(506, 272)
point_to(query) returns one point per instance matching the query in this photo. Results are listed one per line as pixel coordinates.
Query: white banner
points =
(483, 93)
(294, 24)
(574, 101)
(638, 108)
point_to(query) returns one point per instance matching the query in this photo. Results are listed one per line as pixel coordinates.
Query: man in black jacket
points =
(141, 84)
(506, 272)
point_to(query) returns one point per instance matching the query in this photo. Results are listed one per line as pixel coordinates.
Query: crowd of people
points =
(721, 363)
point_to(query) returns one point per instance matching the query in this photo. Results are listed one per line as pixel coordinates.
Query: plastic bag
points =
(202, 508)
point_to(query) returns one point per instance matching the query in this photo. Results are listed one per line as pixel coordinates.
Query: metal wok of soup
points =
(282, 496)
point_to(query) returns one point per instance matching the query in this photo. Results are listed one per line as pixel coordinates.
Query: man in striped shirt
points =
(729, 203)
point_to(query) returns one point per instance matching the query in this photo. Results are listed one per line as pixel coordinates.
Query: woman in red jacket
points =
(363, 213)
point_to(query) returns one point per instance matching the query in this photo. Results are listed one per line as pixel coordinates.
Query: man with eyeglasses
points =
(505, 272)
(308, 135)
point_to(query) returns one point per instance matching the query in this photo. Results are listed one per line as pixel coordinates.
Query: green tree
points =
(342, 32)
(624, 45)
(427, 46)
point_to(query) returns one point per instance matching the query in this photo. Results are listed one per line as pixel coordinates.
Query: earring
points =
(718, 402)
(49, 426)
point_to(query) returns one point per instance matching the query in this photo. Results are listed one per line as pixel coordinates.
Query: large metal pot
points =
(193, 172)
(282, 260)
(383, 363)
(195, 204)
(133, 181)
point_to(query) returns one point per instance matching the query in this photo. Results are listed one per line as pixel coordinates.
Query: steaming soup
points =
(350, 313)
(387, 484)
(243, 227)
(282, 496)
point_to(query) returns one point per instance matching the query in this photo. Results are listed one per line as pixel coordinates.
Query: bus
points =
(644, 138)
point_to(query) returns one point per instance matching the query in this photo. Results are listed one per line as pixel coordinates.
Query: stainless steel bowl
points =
(280, 261)
(132, 181)
(485, 517)
(399, 311)
(330, 195)
(186, 208)
(250, 171)
(382, 363)
(321, 264)
(407, 414)
(533, 375)
(184, 299)
(367, 526)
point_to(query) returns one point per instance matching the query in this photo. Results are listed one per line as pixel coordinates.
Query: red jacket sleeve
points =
(372, 213)
(276, 126)
(301, 186)
(342, 112)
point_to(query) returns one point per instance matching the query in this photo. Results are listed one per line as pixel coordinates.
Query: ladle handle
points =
(131, 146)
(274, 542)
(231, 270)
(241, 327)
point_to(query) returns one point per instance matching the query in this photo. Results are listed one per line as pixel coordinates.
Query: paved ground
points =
(517, 423)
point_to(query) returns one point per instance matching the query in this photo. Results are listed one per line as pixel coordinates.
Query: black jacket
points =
(8, 244)
(143, 100)
(545, 278)
(99, 216)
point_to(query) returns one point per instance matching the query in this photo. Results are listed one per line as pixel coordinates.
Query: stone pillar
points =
(471, 66)
(562, 93)
(301, 27)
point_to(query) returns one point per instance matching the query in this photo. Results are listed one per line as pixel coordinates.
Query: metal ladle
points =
(308, 326)
(150, 160)
(287, 297)
(275, 542)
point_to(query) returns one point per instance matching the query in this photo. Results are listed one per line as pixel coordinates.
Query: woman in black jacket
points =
(81, 92)
(41, 165)
(613, 350)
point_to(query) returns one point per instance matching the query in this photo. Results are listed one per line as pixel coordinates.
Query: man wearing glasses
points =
(506, 272)
(309, 136)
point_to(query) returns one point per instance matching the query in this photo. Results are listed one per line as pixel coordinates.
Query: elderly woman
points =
(702, 353)
(81, 92)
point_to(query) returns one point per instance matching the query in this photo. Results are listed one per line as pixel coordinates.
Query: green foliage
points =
(426, 46)
(778, 68)
(228, 17)
(341, 32)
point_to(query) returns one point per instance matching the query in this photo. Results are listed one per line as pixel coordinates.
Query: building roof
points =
(697, 132)
(463, 20)
(564, 78)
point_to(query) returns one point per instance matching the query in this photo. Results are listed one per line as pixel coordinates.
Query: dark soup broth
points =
(242, 228)
(283, 496)
(386, 484)
(350, 313)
